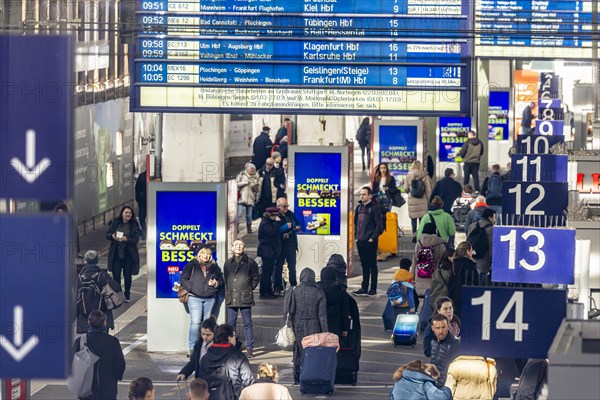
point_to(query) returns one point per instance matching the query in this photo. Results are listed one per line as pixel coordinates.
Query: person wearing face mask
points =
(202, 278)
(241, 278)
(123, 256)
(206, 336)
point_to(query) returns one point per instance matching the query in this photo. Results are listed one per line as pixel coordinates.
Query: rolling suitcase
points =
(405, 330)
(348, 358)
(317, 374)
(388, 240)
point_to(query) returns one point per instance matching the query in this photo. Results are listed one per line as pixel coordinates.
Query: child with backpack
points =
(401, 293)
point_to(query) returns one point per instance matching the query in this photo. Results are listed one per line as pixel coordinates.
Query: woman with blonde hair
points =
(266, 387)
(416, 381)
(418, 186)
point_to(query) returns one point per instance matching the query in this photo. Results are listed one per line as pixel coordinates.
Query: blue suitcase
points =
(405, 330)
(317, 374)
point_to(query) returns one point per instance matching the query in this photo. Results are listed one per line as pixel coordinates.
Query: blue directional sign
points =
(35, 276)
(533, 255)
(508, 322)
(539, 167)
(35, 117)
(534, 202)
(537, 144)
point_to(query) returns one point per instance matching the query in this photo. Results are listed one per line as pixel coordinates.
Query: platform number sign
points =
(539, 167)
(507, 322)
(536, 144)
(533, 255)
(534, 200)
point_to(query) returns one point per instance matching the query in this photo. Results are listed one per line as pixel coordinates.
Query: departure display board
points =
(326, 56)
(533, 28)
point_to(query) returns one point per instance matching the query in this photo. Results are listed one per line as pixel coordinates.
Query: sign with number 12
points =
(508, 322)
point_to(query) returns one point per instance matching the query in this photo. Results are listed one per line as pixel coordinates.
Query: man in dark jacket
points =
(444, 346)
(471, 153)
(289, 245)
(273, 184)
(241, 278)
(111, 366)
(527, 118)
(269, 248)
(484, 261)
(91, 272)
(261, 148)
(448, 189)
(140, 197)
(368, 225)
(492, 190)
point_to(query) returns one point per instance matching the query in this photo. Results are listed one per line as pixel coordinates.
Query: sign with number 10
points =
(536, 144)
(508, 322)
(533, 255)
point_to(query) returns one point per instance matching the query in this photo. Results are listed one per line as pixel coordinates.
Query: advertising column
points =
(452, 135)
(318, 181)
(181, 218)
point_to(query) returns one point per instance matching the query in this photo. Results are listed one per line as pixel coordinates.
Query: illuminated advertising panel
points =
(453, 135)
(398, 148)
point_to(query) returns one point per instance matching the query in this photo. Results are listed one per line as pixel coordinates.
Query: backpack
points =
(459, 215)
(425, 261)
(479, 241)
(219, 384)
(494, 187)
(398, 293)
(89, 294)
(417, 188)
(82, 376)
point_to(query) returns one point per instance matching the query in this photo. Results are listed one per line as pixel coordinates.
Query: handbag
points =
(112, 298)
(183, 294)
(285, 337)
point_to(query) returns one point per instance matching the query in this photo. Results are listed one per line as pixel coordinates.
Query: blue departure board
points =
(328, 56)
(546, 28)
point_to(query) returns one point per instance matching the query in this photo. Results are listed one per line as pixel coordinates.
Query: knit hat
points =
(91, 257)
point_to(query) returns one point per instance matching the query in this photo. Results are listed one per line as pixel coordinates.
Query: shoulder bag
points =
(285, 337)
(183, 294)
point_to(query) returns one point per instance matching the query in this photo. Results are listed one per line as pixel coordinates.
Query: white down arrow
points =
(18, 350)
(30, 171)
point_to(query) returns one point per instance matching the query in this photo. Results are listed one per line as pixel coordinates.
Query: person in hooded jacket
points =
(429, 238)
(417, 381)
(472, 378)
(123, 256)
(307, 306)
(224, 354)
(266, 387)
(444, 223)
(338, 309)
(337, 262)
(464, 273)
(269, 249)
(417, 206)
(202, 278)
(440, 280)
(471, 153)
(475, 214)
(103, 278)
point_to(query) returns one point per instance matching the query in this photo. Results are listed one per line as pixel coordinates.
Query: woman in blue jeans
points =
(201, 277)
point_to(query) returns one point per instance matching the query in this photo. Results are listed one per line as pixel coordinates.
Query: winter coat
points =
(491, 200)
(194, 364)
(465, 273)
(308, 310)
(249, 187)
(240, 281)
(197, 283)
(111, 366)
(417, 207)
(474, 215)
(471, 151)
(131, 250)
(336, 261)
(439, 246)
(338, 308)
(533, 378)
(103, 279)
(261, 149)
(391, 192)
(363, 134)
(443, 353)
(368, 221)
(440, 283)
(428, 335)
(289, 237)
(271, 182)
(527, 117)
(269, 239)
(472, 378)
(484, 265)
(449, 190)
(443, 221)
(265, 389)
(227, 355)
(416, 385)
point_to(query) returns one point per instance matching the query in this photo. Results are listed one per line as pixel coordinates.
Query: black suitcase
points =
(317, 374)
(348, 359)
